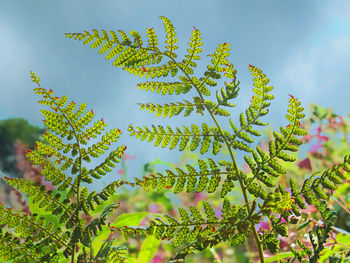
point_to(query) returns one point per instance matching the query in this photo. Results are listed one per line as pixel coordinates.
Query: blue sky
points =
(302, 47)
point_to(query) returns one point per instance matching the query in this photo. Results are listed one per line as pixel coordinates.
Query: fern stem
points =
(78, 186)
(244, 191)
(72, 261)
(79, 175)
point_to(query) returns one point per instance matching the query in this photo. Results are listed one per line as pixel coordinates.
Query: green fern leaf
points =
(171, 37)
(181, 236)
(209, 212)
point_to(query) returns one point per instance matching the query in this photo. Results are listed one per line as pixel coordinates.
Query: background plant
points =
(138, 201)
(334, 127)
(16, 135)
(37, 238)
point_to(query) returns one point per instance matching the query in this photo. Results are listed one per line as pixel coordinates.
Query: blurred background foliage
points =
(12, 131)
(327, 143)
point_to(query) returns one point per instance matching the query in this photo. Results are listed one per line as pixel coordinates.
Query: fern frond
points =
(115, 254)
(103, 168)
(278, 202)
(314, 189)
(228, 93)
(152, 39)
(263, 163)
(188, 229)
(164, 88)
(218, 60)
(45, 199)
(54, 122)
(173, 109)
(91, 200)
(65, 121)
(131, 53)
(233, 228)
(52, 173)
(237, 221)
(164, 138)
(195, 44)
(318, 236)
(207, 178)
(315, 193)
(255, 110)
(171, 37)
(97, 222)
(29, 228)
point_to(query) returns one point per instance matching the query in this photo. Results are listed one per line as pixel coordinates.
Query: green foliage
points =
(148, 249)
(34, 239)
(194, 180)
(315, 195)
(194, 138)
(12, 130)
(190, 230)
(133, 57)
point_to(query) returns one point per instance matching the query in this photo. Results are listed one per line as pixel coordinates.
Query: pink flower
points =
(341, 120)
(334, 124)
(314, 148)
(322, 138)
(307, 138)
(198, 197)
(157, 259)
(129, 157)
(306, 164)
(319, 130)
(283, 242)
(264, 226)
(121, 172)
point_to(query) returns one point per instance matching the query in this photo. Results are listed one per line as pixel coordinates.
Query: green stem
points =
(79, 174)
(229, 147)
(244, 191)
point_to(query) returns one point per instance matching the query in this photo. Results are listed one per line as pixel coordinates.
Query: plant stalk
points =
(255, 233)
